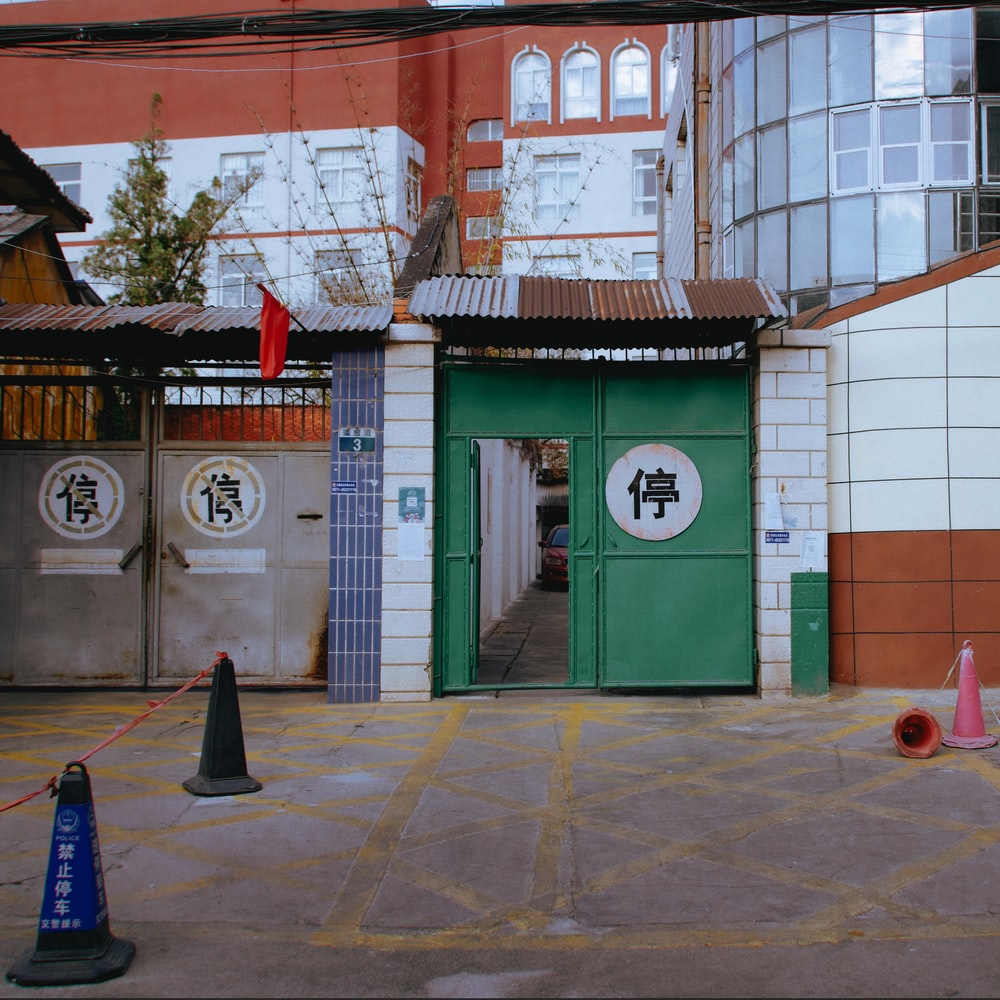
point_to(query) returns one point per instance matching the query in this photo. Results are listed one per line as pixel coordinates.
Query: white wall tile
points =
(897, 403)
(899, 454)
(975, 504)
(974, 452)
(897, 353)
(928, 308)
(900, 505)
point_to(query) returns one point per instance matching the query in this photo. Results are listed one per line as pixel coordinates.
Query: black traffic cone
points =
(75, 943)
(223, 769)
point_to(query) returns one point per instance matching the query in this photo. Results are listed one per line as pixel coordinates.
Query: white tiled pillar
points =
(789, 479)
(407, 583)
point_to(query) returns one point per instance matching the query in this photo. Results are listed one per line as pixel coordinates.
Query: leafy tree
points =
(154, 253)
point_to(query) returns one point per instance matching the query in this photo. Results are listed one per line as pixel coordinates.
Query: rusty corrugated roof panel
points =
(583, 299)
(182, 317)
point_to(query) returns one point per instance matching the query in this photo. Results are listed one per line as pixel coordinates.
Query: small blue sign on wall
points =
(344, 486)
(781, 537)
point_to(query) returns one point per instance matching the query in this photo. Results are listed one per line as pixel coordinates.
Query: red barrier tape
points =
(121, 731)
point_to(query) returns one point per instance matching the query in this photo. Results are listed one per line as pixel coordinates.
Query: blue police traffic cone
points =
(75, 943)
(223, 767)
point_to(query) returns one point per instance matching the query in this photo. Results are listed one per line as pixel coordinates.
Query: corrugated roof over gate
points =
(718, 311)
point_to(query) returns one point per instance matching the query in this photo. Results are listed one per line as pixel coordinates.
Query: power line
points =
(265, 32)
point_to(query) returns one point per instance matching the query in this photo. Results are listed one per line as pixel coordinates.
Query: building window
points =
(644, 265)
(581, 92)
(557, 187)
(238, 277)
(484, 179)
(990, 127)
(644, 181)
(340, 179)
(414, 172)
(482, 227)
(557, 265)
(337, 276)
(919, 143)
(244, 170)
(67, 176)
(630, 81)
(485, 130)
(532, 87)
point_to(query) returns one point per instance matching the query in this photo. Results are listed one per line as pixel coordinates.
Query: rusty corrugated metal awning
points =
(562, 312)
(176, 333)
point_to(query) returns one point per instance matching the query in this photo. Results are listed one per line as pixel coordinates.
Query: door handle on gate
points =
(130, 555)
(178, 555)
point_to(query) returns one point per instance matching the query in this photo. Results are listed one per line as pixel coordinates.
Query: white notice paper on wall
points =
(411, 540)
(813, 550)
(774, 520)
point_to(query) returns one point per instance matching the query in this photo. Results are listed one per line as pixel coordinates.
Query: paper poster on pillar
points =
(411, 522)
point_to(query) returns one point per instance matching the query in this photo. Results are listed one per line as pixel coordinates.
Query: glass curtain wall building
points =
(852, 150)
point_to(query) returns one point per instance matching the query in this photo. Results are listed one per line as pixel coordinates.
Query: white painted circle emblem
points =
(653, 492)
(223, 496)
(81, 497)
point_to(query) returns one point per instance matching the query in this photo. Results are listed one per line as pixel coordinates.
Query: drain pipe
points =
(702, 107)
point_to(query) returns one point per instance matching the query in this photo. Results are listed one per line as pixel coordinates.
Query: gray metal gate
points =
(195, 522)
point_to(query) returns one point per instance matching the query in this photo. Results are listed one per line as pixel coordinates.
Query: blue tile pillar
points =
(354, 672)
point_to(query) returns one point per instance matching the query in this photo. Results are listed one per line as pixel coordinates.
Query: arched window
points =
(630, 81)
(581, 85)
(532, 87)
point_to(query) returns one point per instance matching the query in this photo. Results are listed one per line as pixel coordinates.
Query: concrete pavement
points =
(533, 844)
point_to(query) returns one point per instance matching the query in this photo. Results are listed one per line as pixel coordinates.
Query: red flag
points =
(273, 335)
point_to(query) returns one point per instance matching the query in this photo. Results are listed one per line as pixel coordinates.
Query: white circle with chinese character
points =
(223, 496)
(81, 497)
(653, 492)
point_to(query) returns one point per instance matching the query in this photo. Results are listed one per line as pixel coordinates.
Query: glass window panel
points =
(806, 86)
(899, 55)
(807, 232)
(743, 250)
(991, 143)
(532, 87)
(951, 142)
(644, 181)
(727, 187)
(769, 26)
(743, 199)
(743, 93)
(807, 170)
(771, 72)
(901, 235)
(850, 69)
(948, 52)
(743, 34)
(852, 150)
(988, 50)
(726, 103)
(950, 217)
(852, 234)
(580, 78)
(772, 249)
(989, 219)
(772, 163)
(728, 242)
(899, 139)
(644, 265)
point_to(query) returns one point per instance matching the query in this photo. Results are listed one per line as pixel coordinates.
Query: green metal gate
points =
(645, 612)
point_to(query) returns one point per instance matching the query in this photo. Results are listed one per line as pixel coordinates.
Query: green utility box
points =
(810, 633)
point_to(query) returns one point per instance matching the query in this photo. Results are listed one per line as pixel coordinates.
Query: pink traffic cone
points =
(968, 730)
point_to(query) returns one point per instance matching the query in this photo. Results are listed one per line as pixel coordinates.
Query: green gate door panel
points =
(696, 400)
(517, 401)
(676, 622)
(677, 612)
